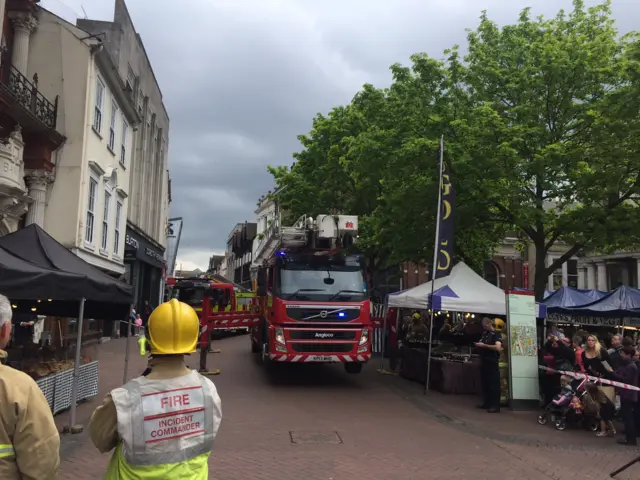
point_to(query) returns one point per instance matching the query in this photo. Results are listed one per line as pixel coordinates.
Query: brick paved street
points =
(385, 428)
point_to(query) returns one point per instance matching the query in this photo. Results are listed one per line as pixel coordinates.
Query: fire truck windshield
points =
(190, 296)
(327, 281)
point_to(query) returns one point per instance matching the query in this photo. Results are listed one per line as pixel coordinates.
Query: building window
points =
(572, 273)
(556, 279)
(116, 236)
(123, 143)
(112, 126)
(490, 273)
(105, 221)
(131, 78)
(97, 112)
(91, 211)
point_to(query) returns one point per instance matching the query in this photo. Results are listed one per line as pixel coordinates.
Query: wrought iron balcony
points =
(25, 93)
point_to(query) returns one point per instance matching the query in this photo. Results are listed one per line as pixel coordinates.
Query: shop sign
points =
(150, 252)
(586, 321)
(138, 248)
(132, 242)
(525, 275)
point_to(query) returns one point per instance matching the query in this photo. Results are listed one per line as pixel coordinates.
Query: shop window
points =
(572, 273)
(93, 325)
(72, 327)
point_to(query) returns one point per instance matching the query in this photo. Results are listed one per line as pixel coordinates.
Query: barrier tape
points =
(602, 381)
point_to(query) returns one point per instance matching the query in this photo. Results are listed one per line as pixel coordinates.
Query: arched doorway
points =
(491, 273)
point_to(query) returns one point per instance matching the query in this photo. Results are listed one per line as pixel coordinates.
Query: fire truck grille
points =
(323, 314)
(322, 335)
(322, 347)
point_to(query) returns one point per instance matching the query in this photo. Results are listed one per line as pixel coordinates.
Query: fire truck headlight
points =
(365, 336)
(279, 334)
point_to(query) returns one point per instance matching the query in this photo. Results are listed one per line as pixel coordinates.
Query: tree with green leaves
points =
(541, 125)
(550, 135)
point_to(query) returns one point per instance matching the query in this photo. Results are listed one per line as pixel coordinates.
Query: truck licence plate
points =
(321, 358)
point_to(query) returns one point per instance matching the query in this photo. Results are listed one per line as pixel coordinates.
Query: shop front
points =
(144, 264)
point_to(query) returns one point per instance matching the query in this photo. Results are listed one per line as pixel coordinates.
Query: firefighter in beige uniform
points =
(29, 440)
(162, 426)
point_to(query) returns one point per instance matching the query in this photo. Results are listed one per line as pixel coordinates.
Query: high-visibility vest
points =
(166, 427)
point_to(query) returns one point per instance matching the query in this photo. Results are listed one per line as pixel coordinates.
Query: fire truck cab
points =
(313, 295)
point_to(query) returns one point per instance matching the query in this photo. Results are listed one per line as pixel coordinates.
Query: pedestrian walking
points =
(489, 348)
(161, 425)
(29, 439)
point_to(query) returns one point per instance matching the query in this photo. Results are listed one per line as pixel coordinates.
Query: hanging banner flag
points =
(445, 224)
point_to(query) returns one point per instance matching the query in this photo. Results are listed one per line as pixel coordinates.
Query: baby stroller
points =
(567, 408)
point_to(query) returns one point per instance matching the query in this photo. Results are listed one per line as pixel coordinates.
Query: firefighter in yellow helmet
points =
(161, 425)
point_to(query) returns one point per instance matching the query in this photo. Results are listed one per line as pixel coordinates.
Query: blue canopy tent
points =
(566, 297)
(622, 302)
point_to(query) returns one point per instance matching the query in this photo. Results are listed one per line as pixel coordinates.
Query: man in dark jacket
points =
(627, 372)
(615, 351)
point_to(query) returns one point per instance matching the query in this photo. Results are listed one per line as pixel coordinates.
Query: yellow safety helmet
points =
(174, 328)
(499, 323)
(416, 316)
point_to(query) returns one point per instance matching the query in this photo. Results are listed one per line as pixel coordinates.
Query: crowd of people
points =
(584, 353)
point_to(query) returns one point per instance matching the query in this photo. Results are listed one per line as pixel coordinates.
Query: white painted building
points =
(86, 207)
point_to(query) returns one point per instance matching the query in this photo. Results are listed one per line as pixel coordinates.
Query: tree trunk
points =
(541, 278)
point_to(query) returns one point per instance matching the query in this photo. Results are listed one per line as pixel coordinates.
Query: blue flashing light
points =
(282, 254)
(342, 314)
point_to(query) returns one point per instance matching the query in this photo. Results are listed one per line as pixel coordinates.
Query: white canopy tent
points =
(463, 290)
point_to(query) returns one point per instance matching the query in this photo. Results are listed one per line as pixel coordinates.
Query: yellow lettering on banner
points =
(446, 209)
(445, 254)
(446, 185)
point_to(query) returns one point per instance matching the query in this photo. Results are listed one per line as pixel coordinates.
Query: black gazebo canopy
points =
(34, 266)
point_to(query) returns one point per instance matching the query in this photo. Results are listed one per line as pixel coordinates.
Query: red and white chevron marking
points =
(308, 358)
(231, 322)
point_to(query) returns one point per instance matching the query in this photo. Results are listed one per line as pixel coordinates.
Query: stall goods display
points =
(43, 369)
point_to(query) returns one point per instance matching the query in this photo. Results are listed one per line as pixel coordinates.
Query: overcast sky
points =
(242, 78)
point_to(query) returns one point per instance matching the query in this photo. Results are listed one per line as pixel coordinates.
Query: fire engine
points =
(312, 294)
(218, 305)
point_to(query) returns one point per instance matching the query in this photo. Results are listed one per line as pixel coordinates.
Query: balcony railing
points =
(27, 95)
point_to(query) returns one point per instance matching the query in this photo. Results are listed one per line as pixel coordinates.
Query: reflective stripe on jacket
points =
(7, 451)
(166, 428)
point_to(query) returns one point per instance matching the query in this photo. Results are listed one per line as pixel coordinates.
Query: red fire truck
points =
(218, 305)
(313, 294)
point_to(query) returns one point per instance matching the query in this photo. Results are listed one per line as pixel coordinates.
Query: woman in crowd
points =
(564, 358)
(596, 363)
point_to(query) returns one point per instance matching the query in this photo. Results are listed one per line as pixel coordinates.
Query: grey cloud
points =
(241, 79)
